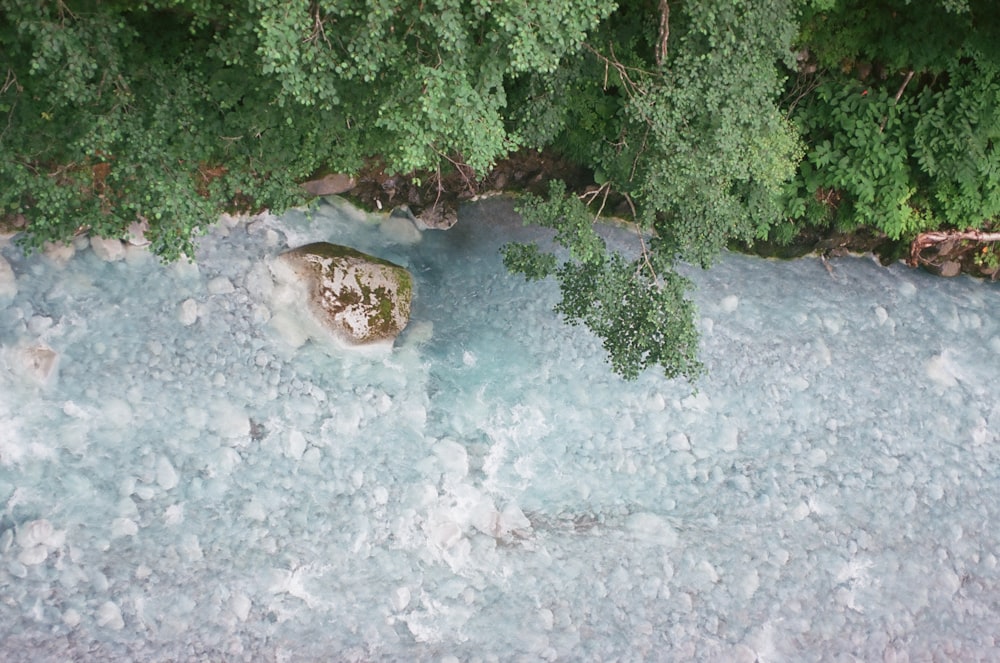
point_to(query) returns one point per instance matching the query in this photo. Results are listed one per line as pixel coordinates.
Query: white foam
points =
(166, 475)
(109, 616)
(220, 285)
(490, 489)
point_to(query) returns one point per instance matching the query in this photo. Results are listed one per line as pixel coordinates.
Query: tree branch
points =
(899, 95)
(906, 81)
(631, 87)
(661, 45)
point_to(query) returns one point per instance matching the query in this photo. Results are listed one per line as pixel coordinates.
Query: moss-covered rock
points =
(359, 298)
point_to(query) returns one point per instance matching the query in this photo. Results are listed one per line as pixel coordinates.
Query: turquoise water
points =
(194, 480)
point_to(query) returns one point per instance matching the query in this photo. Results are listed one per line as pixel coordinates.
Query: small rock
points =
(109, 615)
(136, 235)
(35, 532)
(122, 527)
(400, 598)
(33, 556)
(679, 442)
(37, 363)
(329, 185)
(400, 230)
(166, 475)
(11, 224)
(58, 252)
(240, 605)
(950, 268)
(295, 445)
(71, 617)
(438, 217)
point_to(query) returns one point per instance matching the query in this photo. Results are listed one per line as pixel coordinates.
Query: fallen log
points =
(926, 240)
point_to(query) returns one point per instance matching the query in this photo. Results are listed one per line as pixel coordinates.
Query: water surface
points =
(195, 482)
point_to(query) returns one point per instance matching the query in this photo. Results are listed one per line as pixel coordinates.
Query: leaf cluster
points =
(642, 319)
(900, 117)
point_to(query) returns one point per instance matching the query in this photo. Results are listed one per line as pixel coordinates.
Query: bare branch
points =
(318, 30)
(11, 80)
(464, 169)
(635, 162)
(899, 94)
(906, 81)
(604, 201)
(588, 197)
(642, 242)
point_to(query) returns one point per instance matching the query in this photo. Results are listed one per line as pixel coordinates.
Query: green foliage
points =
(642, 321)
(642, 318)
(893, 34)
(422, 81)
(173, 110)
(858, 170)
(903, 121)
(528, 260)
(573, 223)
(697, 144)
(719, 149)
(956, 141)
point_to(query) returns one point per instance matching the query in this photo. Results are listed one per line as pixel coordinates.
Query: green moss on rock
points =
(358, 297)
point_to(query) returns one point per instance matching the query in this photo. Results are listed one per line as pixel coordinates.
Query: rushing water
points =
(193, 481)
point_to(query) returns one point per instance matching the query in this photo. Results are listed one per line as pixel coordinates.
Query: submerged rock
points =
(36, 363)
(359, 298)
(107, 249)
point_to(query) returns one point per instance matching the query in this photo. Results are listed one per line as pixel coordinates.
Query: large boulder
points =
(359, 298)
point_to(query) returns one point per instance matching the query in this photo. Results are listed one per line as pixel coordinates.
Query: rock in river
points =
(361, 299)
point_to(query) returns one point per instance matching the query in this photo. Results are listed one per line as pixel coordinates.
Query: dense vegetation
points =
(710, 121)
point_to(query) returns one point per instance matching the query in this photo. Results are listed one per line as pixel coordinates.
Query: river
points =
(183, 477)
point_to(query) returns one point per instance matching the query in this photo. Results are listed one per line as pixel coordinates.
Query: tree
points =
(172, 110)
(689, 133)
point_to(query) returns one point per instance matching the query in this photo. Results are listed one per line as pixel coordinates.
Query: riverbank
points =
(434, 197)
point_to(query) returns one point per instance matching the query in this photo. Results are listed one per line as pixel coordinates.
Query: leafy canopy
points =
(173, 110)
